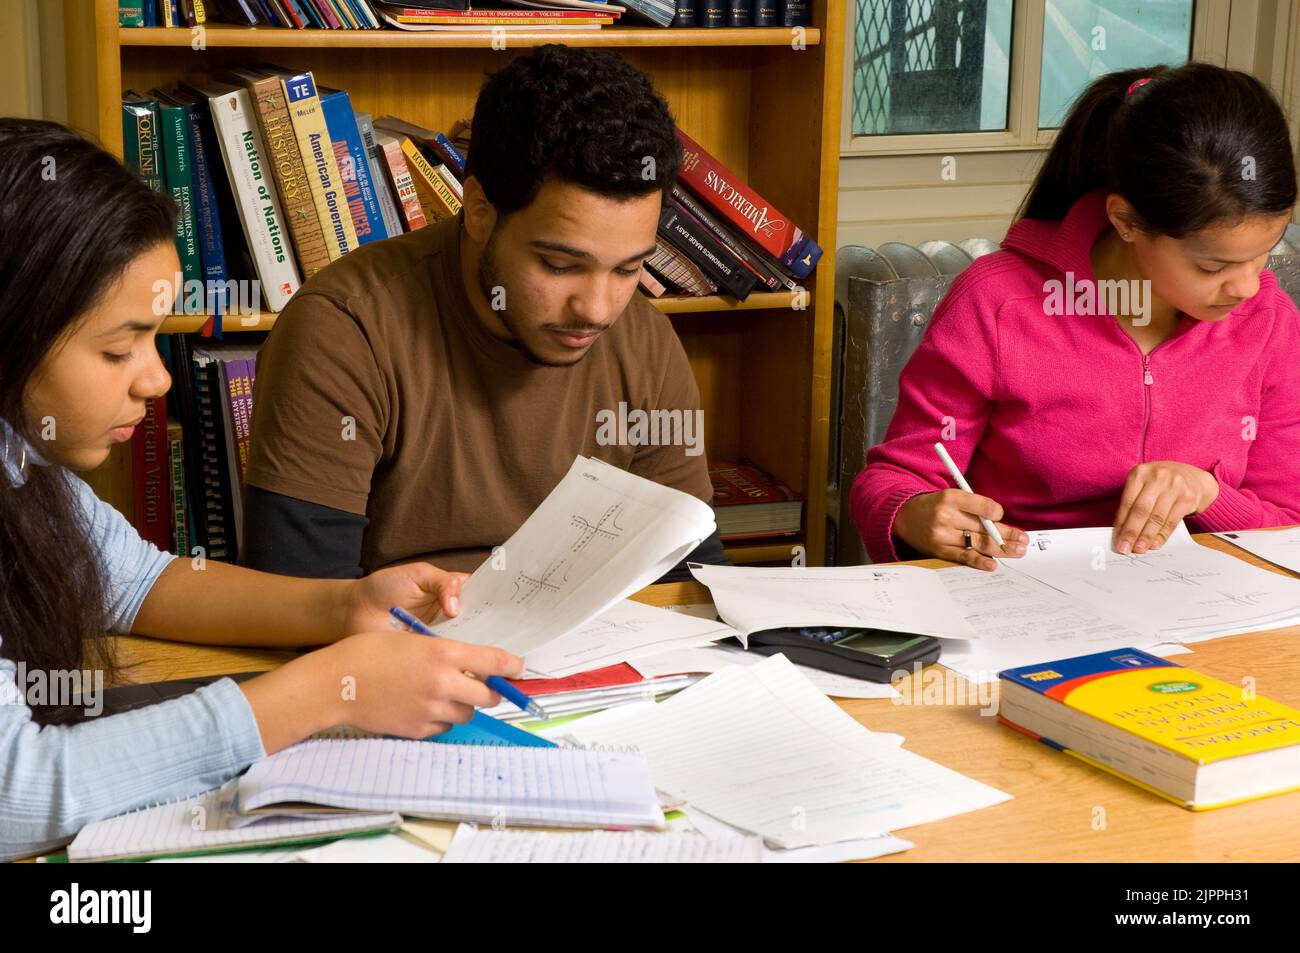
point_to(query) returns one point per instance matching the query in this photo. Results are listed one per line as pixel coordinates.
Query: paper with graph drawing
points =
(1021, 621)
(1183, 591)
(894, 598)
(598, 537)
(625, 631)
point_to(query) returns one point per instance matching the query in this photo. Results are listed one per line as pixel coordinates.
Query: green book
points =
(174, 132)
(140, 142)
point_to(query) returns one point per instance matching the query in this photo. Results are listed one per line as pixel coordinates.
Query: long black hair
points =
(72, 219)
(1194, 146)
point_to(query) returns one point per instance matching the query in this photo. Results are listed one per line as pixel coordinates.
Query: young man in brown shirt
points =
(418, 398)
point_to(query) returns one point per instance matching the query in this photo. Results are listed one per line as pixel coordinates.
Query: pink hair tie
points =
(1136, 83)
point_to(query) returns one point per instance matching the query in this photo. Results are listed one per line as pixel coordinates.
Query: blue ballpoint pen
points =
(494, 682)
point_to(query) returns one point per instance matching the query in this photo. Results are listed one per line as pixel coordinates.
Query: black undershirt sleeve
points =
(293, 537)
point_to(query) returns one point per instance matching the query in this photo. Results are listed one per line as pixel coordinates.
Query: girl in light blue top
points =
(82, 244)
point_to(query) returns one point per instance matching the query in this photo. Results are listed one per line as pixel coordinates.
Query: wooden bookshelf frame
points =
(766, 101)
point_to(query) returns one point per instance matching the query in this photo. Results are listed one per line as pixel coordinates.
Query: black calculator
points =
(870, 654)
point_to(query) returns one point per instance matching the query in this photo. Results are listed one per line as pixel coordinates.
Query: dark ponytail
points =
(72, 219)
(1196, 145)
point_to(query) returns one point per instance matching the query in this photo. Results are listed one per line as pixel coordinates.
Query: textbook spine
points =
(383, 191)
(693, 241)
(175, 136)
(289, 173)
(244, 156)
(322, 169)
(354, 168)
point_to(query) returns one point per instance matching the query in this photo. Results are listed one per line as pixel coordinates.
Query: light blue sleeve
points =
(131, 564)
(56, 779)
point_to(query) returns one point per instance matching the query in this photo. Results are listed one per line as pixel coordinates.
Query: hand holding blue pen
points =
(494, 682)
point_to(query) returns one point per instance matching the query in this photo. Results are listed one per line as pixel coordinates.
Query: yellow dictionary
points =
(1196, 740)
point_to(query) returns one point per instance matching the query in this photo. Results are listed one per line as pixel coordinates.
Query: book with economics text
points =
(1196, 740)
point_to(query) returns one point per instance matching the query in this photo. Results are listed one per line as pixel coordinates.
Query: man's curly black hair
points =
(586, 117)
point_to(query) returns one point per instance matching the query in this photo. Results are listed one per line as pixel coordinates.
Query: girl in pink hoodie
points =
(1125, 359)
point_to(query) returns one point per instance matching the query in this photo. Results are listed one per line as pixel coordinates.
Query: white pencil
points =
(960, 480)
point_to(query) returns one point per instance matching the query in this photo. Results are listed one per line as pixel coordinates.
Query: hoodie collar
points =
(1065, 244)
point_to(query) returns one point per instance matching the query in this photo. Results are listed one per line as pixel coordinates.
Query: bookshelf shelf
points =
(763, 550)
(219, 35)
(183, 324)
(764, 101)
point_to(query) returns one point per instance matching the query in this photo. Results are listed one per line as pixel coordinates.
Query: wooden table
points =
(1063, 809)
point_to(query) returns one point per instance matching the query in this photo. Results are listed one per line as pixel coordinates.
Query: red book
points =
(756, 219)
(151, 477)
(607, 677)
(750, 504)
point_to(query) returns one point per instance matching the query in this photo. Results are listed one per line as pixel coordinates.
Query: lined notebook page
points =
(485, 846)
(203, 823)
(763, 750)
(564, 787)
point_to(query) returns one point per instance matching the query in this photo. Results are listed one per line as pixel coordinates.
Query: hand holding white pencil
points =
(962, 484)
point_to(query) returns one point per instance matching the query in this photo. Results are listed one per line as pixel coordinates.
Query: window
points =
(1083, 39)
(966, 75)
(931, 66)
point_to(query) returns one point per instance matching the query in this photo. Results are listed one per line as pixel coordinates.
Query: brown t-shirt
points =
(380, 392)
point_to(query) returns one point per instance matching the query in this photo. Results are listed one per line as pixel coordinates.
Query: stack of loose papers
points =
(499, 785)
(1071, 595)
(761, 749)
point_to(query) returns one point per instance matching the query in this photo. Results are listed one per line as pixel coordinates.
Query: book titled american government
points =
(317, 152)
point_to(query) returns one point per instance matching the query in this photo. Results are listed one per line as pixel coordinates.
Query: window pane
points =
(1082, 39)
(930, 66)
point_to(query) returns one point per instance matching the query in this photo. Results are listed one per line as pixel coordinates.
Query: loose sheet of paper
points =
(625, 631)
(713, 658)
(1182, 592)
(484, 846)
(863, 849)
(894, 598)
(1281, 547)
(600, 535)
(763, 750)
(1021, 621)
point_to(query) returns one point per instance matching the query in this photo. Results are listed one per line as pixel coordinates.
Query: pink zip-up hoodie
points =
(1048, 414)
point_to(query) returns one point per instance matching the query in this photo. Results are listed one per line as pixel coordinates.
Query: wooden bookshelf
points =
(767, 109)
(265, 320)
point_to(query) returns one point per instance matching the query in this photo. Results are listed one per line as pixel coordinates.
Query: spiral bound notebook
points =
(561, 787)
(205, 825)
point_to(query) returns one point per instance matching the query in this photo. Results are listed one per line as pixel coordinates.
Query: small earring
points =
(22, 461)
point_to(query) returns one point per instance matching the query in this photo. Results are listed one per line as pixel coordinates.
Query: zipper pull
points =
(1146, 371)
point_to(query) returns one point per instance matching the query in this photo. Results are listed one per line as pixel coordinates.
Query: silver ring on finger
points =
(966, 542)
